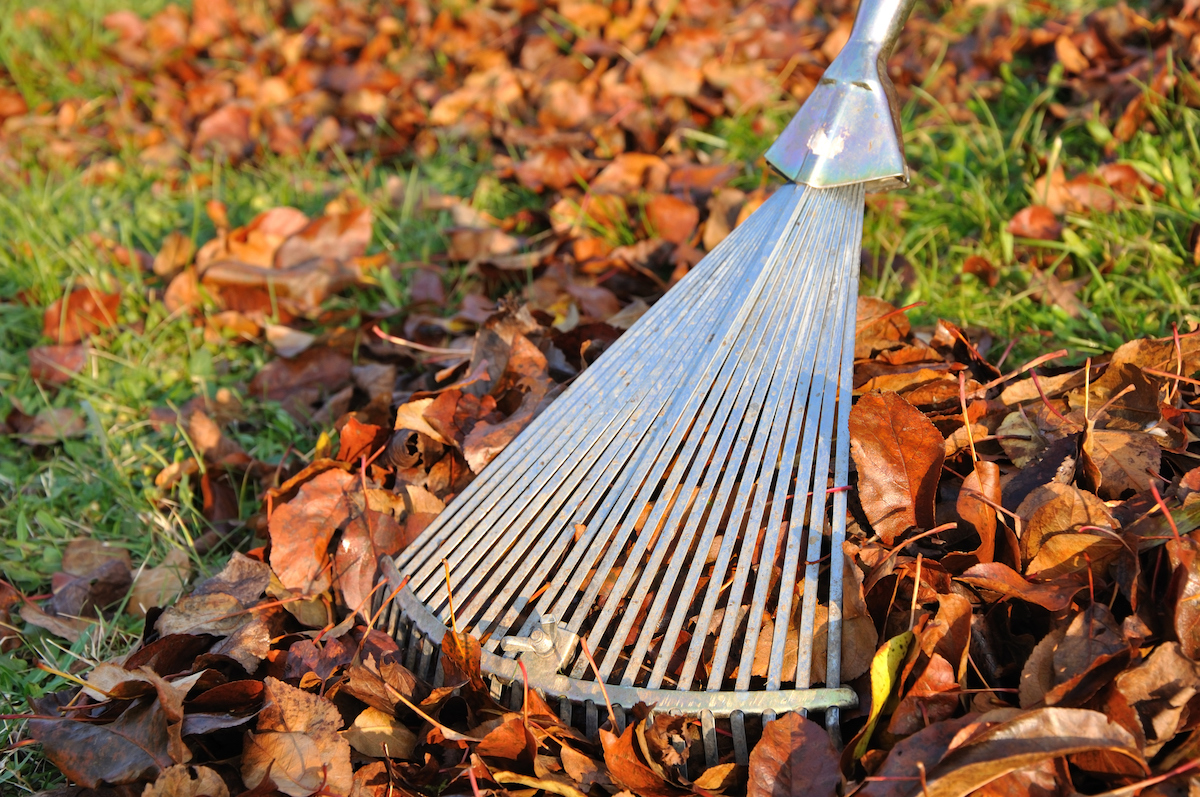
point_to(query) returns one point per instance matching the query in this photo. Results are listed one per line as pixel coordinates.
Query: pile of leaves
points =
(571, 80)
(1021, 610)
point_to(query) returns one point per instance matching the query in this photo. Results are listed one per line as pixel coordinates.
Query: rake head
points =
(679, 511)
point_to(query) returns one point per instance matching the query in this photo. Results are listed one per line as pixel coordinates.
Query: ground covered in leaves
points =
(1021, 611)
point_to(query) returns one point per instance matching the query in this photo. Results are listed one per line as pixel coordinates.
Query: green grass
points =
(969, 180)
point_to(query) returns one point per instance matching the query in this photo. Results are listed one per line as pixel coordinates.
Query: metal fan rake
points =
(681, 508)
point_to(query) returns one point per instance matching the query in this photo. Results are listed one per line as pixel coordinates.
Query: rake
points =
(664, 532)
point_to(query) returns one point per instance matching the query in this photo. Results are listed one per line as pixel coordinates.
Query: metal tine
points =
(708, 465)
(705, 615)
(725, 357)
(772, 384)
(683, 607)
(741, 751)
(708, 732)
(583, 469)
(565, 710)
(513, 484)
(763, 578)
(816, 521)
(841, 470)
(840, 302)
(497, 599)
(796, 534)
(618, 474)
(582, 472)
(648, 456)
(591, 720)
(731, 620)
(667, 316)
(431, 592)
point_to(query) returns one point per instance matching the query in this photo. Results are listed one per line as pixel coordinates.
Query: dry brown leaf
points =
(380, 735)
(1118, 462)
(302, 528)
(81, 313)
(1037, 222)
(794, 756)
(297, 744)
(56, 365)
(899, 456)
(185, 781)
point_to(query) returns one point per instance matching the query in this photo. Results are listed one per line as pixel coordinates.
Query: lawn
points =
(1115, 272)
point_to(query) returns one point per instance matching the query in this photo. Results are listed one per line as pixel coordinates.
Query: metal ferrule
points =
(848, 130)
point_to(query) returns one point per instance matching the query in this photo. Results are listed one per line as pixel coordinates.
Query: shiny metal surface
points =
(848, 130)
(681, 508)
(671, 508)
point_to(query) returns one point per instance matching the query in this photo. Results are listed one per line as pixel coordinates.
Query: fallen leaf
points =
(899, 456)
(1119, 462)
(185, 781)
(1024, 741)
(297, 745)
(380, 735)
(302, 528)
(131, 749)
(83, 312)
(1069, 54)
(1002, 579)
(976, 506)
(242, 578)
(626, 768)
(793, 757)
(981, 267)
(341, 236)
(368, 535)
(157, 586)
(884, 669)
(174, 255)
(671, 218)
(216, 614)
(56, 365)
(1037, 222)
(934, 697)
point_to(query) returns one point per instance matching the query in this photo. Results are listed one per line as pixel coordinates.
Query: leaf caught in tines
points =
(794, 757)
(626, 769)
(899, 455)
(368, 535)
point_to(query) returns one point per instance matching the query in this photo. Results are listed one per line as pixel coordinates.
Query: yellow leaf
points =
(884, 667)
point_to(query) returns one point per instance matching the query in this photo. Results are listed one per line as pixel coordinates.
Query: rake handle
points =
(878, 23)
